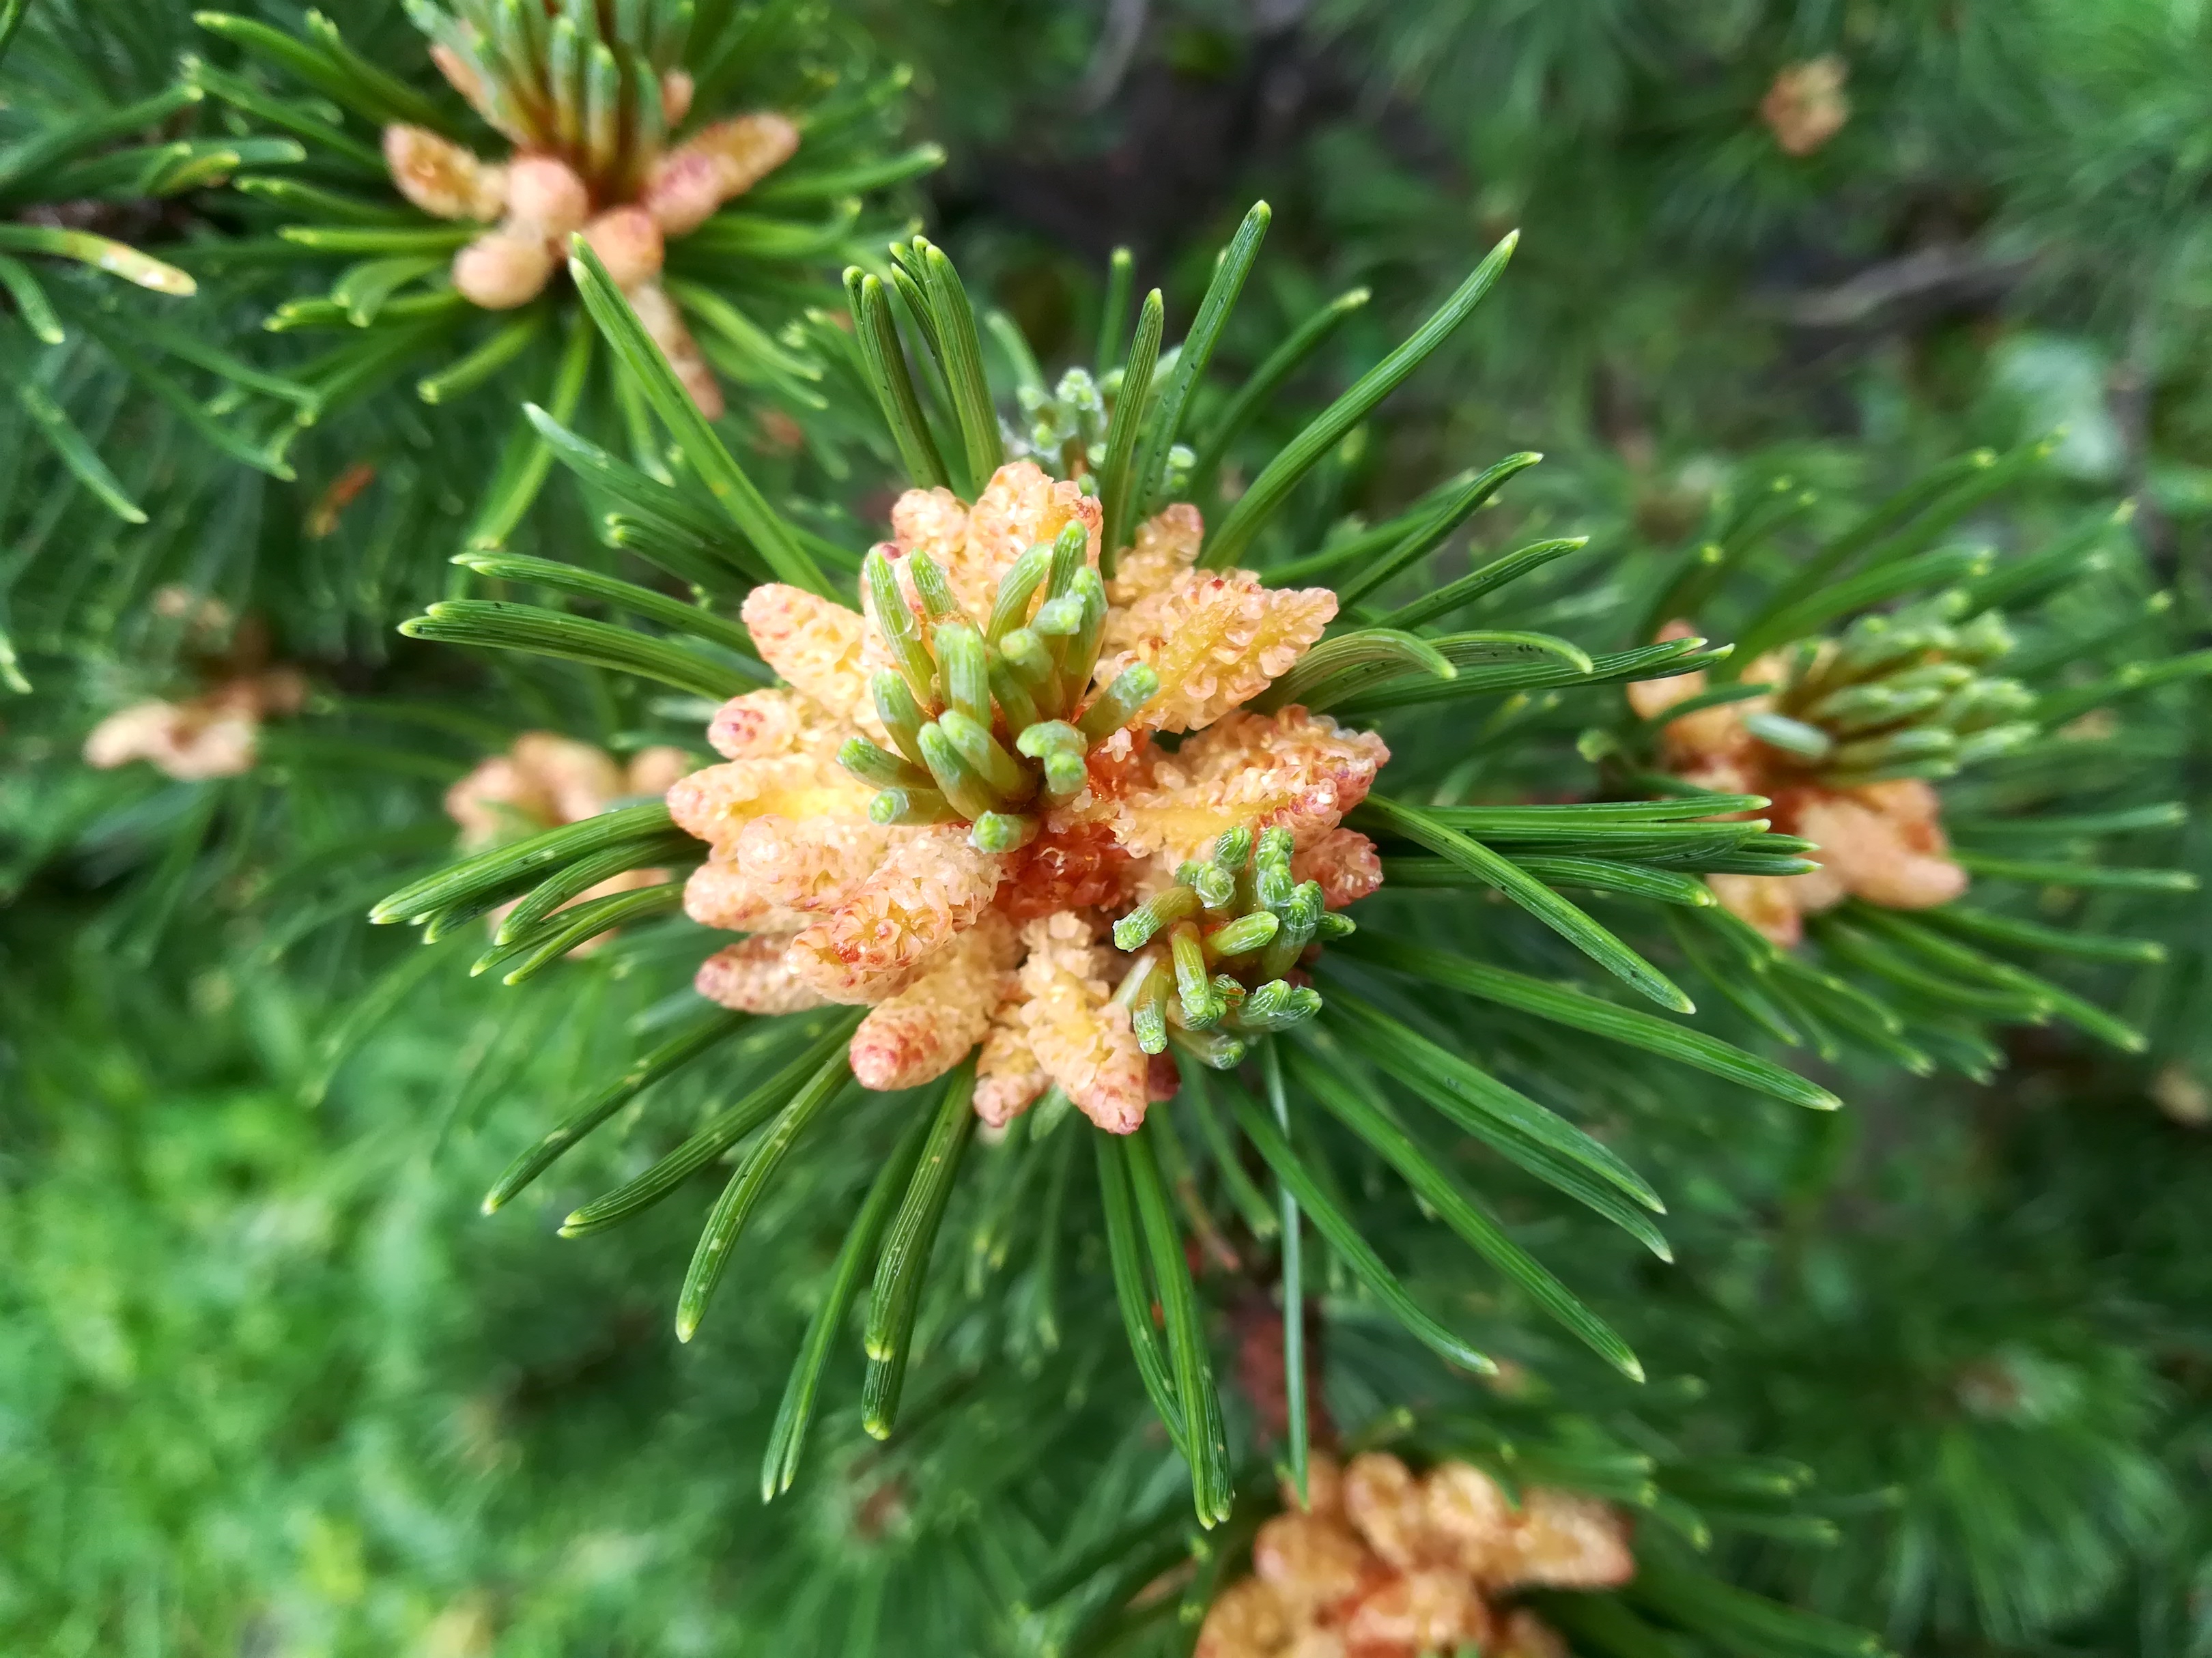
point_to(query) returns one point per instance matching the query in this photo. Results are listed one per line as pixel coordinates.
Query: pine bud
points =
(1141, 925)
(1002, 831)
(911, 806)
(1995, 741)
(676, 90)
(962, 784)
(1079, 655)
(1300, 918)
(896, 709)
(1935, 676)
(1012, 695)
(1143, 992)
(664, 324)
(1215, 1049)
(1194, 985)
(1984, 639)
(1029, 661)
(931, 588)
(684, 190)
(628, 243)
(545, 196)
(1860, 707)
(1060, 748)
(1120, 702)
(1278, 1005)
(1058, 618)
(1000, 771)
(441, 177)
(500, 271)
(1987, 702)
(1924, 742)
(896, 624)
(873, 765)
(1016, 589)
(962, 669)
(1242, 936)
(1069, 549)
(1151, 1020)
(1793, 737)
(1215, 886)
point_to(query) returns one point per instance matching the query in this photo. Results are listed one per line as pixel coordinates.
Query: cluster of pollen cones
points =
(1881, 842)
(1387, 1564)
(218, 732)
(951, 946)
(537, 199)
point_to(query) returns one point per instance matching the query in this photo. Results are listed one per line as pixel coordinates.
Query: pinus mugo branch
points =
(956, 817)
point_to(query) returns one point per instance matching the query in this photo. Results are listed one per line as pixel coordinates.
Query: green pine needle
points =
(1282, 475)
(1117, 478)
(1344, 1238)
(719, 1238)
(902, 1266)
(1205, 1441)
(702, 1037)
(1132, 1290)
(1424, 829)
(1581, 1010)
(1369, 1120)
(692, 619)
(1233, 265)
(504, 871)
(714, 466)
(497, 624)
(795, 1414)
